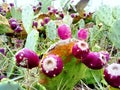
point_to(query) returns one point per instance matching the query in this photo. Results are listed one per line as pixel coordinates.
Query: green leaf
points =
(51, 30)
(27, 18)
(45, 4)
(32, 40)
(7, 84)
(16, 13)
(114, 34)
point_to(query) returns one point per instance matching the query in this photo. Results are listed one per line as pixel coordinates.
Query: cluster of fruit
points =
(15, 25)
(52, 64)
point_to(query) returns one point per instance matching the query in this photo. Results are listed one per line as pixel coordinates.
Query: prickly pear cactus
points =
(7, 84)
(116, 12)
(72, 72)
(104, 14)
(114, 33)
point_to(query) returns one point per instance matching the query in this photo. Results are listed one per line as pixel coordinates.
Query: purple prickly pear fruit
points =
(112, 75)
(35, 23)
(73, 15)
(80, 49)
(13, 25)
(49, 8)
(2, 51)
(27, 58)
(46, 20)
(11, 4)
(107, 55)
(12, 20)
(61, 15)
(42, 23)
(64, 32)
(18, 29)
(82, 34)
(52, 65)
(95, 60)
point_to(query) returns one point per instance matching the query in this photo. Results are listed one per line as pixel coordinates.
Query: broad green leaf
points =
(16, 13)
(45, 4)
(27, 18)
(7, 84)
(114, 34)
(4, 25)
(32, 40)
(51, 30)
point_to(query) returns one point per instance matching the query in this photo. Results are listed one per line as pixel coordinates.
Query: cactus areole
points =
(27, 58)
(52, 65)
(80, 49)
(112, 75)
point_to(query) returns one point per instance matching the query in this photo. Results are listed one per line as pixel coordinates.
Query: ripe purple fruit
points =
(52, 65)
(2, 51)
(18, 29)
(35, 23)
(46, 20)
(34, 8)
(40, 3)
(82, 34)
(95, 60)
(64, 32)
(73, 15)
(61, 15)
(80, 49)
(13, 25)
(27, 58)
(49, 8)
(107, 55)
(54, 10)
(1, 9)
(112, 75)
(12, 20)
(42, 23)
(11, 4)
